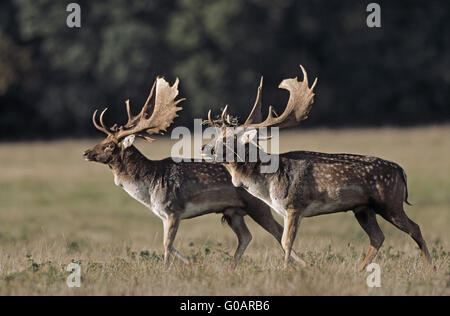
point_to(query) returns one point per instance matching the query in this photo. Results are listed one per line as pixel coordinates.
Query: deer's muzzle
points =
(87, 155)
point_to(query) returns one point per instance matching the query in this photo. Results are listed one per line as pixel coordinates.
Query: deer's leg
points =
(368, 221)
(170, 230)
(180, 256)
(291, 222)
(244, 236)
(266, 221)
(404, 223)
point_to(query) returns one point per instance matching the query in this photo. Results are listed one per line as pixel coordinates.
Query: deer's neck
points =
(133, 166)
(137, 175)
(248, 176)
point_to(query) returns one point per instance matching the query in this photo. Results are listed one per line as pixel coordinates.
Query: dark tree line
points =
(52, 77)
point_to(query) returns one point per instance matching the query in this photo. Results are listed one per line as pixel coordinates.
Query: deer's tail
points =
(225, 219)
(406, 187)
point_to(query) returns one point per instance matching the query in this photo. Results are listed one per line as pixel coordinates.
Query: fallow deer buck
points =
(308, 183)
(175, 191)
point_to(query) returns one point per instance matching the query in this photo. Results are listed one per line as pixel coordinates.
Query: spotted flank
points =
(335, 173)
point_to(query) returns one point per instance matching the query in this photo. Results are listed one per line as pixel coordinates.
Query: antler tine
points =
(95, 122)
(224, 112)
(305, 76)
(271, 113)
(100, 128)
(314, 84)
(130, 116)
(209, 116)
(210, 120)
(132, 119)
(228, 119)
(101, 119)
(255, 115)
(144, 108)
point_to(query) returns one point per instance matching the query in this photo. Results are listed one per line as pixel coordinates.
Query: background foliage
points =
(53, 77)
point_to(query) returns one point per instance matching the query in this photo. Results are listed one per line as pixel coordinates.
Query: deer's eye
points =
(109, 147)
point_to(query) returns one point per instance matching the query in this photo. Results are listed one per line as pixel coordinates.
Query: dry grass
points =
(57, 208)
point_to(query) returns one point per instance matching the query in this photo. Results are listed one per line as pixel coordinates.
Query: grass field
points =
(57, 208)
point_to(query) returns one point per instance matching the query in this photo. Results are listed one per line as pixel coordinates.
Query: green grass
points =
(57, 208)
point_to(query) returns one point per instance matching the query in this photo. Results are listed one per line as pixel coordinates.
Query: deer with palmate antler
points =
(308, 183)
(175, 191)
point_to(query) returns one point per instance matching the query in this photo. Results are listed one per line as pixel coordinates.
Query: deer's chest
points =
(136, 189)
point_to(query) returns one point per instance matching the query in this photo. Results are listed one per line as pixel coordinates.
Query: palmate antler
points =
(156, 115)
(300, 101)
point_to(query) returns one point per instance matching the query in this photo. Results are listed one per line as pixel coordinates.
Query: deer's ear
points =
(248, 136)
(128, 141)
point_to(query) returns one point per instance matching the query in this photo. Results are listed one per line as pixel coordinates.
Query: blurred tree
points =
(15, 61)
(394, 75)
(114, 56)
(52, 77)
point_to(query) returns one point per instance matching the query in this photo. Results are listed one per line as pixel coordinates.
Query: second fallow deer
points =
(175, 191)
(309, 183)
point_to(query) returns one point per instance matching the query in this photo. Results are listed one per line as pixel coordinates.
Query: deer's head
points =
(246, 135)
(156, 116)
